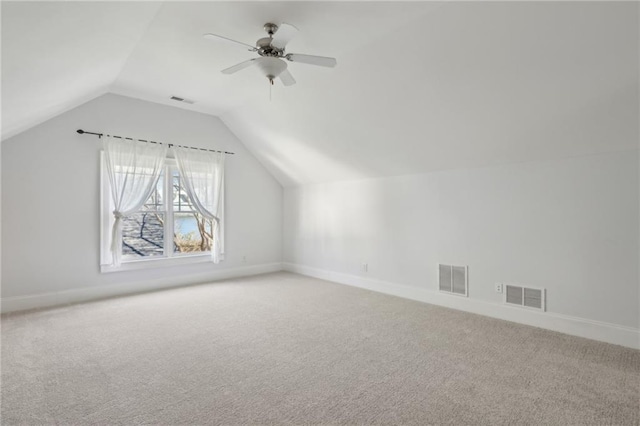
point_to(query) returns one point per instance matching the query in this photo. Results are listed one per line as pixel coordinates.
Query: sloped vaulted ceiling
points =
(419, 86)
(58, 55)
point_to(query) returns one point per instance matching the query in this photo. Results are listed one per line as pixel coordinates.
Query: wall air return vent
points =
(526, 297)
(453, 279)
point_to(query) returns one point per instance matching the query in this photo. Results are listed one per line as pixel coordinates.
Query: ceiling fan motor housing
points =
(265, 48)
(264, 44)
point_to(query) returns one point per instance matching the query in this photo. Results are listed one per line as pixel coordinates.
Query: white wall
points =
(50, 201)
(570, 226)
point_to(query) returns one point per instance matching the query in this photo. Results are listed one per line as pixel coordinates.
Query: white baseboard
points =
(596, 330)
(43, 300)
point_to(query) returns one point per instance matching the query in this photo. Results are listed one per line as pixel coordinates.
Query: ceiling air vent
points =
(179, 99)
(453, 279)
(526, 297)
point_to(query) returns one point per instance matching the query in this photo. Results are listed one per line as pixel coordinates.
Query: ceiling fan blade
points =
(323, 61)
(286, 78)
(284, 34)
(215, 37)
(238, 67)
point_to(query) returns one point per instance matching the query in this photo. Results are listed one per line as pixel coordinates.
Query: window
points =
(166, 231)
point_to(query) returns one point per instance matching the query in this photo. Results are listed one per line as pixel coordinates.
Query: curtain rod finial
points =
(80, 131)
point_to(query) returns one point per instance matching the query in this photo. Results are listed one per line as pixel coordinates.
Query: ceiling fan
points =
(272, 52)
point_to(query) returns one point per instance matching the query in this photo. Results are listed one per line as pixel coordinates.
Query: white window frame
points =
(169, 258)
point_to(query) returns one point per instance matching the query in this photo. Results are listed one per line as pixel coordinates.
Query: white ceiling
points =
(58, 55)
(419, 86)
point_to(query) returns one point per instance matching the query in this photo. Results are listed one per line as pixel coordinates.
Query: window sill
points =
(133, 265)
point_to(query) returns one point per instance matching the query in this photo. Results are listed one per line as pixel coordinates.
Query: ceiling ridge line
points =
(161, 5)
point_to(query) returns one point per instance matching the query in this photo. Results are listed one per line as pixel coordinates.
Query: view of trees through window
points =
(191, 231)
(143, 233)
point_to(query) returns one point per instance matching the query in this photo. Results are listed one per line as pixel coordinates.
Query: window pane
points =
(143, 234)
(192, 233)
(155, 201)
(181, 201)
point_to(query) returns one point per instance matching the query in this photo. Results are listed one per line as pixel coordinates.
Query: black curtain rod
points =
(83, 132)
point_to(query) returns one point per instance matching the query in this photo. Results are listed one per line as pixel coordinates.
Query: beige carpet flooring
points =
(287, 349)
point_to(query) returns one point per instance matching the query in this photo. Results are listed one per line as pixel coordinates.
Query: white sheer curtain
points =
(202, 176)
(133, 168)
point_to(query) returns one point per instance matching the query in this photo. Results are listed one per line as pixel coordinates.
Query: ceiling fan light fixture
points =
(271, 67)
